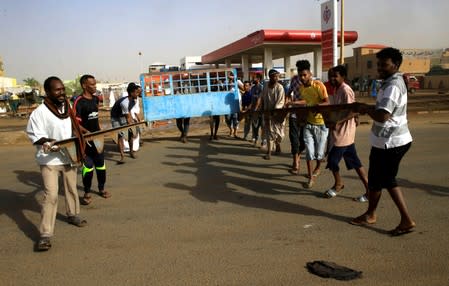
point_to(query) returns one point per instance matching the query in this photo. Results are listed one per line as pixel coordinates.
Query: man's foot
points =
(310, 183)
(43, 244)
(211, 137)
(86, 199)
(215, 137)
(294, 171)
(132, 154)
(76, 221)
(184, 139)
(361, 199)
(401, 230)
(334, 191)
(121, 161)
(105, 194)
(363, 220)
(267, 157)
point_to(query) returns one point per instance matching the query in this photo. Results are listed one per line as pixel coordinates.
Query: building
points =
(363, 63)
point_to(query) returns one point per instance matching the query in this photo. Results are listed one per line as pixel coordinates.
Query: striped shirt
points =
(392, 98)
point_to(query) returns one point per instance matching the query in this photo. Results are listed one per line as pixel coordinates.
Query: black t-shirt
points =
(87, 112)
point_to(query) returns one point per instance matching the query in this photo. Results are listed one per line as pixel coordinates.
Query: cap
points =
(272, 72)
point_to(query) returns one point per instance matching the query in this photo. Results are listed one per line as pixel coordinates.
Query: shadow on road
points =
(215, 180)
(15, 204)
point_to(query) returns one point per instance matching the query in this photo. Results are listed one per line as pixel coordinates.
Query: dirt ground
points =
(216, 213)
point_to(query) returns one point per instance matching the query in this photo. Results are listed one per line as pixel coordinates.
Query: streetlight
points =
(140, 61)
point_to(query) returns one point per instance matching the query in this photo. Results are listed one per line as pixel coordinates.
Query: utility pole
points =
(342, 32)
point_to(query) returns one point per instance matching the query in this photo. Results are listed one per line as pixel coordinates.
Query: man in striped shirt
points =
(390, 140)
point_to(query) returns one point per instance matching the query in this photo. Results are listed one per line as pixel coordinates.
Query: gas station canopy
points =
(283, 43)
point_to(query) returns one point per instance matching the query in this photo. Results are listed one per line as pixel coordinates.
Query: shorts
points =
(348, 153)
(384, 166)
(118, 122)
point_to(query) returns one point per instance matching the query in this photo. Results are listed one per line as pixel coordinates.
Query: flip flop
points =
(360, 221)
(105, 194)
(294, 171)
(86, 200)
(361, 199)
(401, 231)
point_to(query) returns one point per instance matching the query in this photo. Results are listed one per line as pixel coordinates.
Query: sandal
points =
(362, 220)
(310, 184)
(105, 194)
(332, 192)
(43, 244)
(86, 199)
(361, 199)
(401, 231)
(77, 221)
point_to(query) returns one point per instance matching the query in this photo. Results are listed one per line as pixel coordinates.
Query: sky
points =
(40, 38)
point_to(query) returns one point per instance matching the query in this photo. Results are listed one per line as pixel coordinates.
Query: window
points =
(369, 65)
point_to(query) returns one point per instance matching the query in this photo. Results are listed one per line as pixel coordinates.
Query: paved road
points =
(206, 213)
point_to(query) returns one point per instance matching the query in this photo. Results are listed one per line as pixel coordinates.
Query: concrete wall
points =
(437, 82)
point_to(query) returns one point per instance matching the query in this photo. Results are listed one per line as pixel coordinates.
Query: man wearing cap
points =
(273, 97)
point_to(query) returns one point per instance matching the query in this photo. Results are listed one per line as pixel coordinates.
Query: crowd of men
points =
(56, 120)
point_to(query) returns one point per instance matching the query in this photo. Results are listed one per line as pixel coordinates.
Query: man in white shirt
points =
(52, 121)
(390, 140)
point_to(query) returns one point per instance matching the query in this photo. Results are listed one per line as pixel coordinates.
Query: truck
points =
(411, 82)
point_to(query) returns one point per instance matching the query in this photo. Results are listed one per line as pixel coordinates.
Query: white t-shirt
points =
(392, 98)
(43, 123)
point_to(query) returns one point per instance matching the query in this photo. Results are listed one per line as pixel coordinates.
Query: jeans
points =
(315, 137)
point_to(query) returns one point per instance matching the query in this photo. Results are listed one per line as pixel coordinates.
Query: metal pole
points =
(334, 33)
(342, 32)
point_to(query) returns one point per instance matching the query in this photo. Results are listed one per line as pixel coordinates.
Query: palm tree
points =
(32, 82)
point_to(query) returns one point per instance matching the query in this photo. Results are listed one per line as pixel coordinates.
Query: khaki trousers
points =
(50, 175)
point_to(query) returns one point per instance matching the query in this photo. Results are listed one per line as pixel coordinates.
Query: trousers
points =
(50, 176)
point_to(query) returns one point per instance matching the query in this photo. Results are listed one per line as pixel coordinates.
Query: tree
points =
(32, 82)
(73, 87)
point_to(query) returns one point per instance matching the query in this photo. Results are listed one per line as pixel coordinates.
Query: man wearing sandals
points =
(52, 121)
(390, 140)
(342, 137)
(313, 93)
(86, 110)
